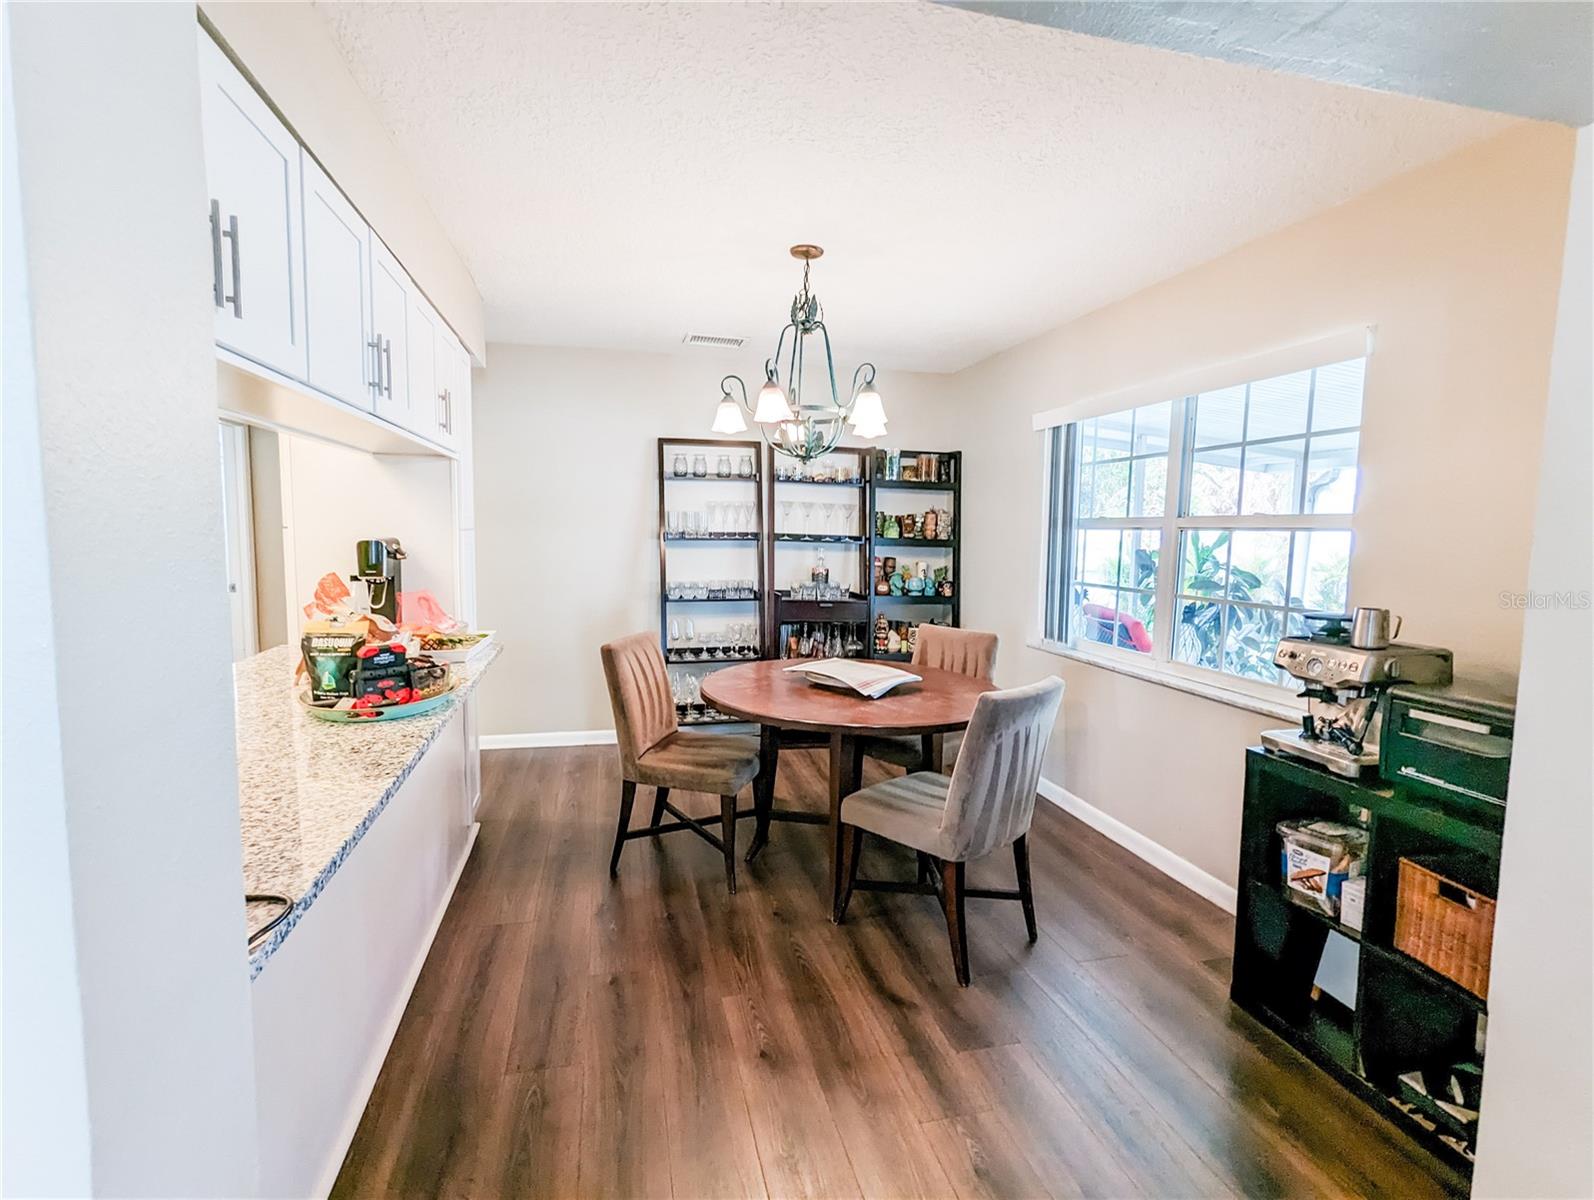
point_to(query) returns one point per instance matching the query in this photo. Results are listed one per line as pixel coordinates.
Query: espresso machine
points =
(1343, 685)
(380, 566)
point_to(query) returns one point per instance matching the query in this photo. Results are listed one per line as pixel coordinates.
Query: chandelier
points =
(791, 423)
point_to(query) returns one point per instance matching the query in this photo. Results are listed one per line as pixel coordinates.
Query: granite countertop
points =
(309, 789)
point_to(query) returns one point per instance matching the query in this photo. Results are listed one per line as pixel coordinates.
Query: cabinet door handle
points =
(387, 356)
(375, 346)
(215, 253)
(236, 299)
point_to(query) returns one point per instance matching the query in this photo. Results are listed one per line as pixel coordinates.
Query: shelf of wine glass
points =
(846, 483)
(914, 485)
(677, 658)
(748, 599)
(927, 543)
(711, 537)
(712, 717)
(711, 479)
(816, 539)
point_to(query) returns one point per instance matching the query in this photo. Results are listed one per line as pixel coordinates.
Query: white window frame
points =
(1160, 665)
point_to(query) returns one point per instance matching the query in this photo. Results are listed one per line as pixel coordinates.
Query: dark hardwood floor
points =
(651, 1036)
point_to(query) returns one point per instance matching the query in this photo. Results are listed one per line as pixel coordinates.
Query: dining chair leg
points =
(627, 799)
(728, 837)
(957, 931)
(851, 852)
(660, 795)
(1026, 893)
(932, 753)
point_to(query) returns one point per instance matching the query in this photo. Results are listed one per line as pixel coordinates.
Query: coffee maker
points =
(1343, 685)
(379, 564)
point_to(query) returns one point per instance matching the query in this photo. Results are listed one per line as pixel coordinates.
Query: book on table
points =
(867, 678)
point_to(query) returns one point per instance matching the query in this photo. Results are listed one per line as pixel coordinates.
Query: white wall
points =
(334, 496)
(44, 1138)
(1538, 1099)
(286, 47)
(567, 507)
(1457, 266)
(131, 511)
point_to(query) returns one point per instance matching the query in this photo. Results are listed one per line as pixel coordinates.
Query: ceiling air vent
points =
(713, 342)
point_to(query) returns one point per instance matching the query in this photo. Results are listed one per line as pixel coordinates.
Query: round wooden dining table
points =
(780, 700)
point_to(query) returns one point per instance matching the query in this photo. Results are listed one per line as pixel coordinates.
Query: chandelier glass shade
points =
(803, 422)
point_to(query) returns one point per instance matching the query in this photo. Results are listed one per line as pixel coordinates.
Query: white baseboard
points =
(532, 741)
(384, 1043)
(1209, 887)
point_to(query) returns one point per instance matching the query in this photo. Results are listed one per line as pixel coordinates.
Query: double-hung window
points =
(1192, 533)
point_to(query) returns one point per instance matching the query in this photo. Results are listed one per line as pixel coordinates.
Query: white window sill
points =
(1284, 706)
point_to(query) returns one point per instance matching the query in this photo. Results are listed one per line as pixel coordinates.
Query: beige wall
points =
(286, 47)
(567, 508)
(1457, 265)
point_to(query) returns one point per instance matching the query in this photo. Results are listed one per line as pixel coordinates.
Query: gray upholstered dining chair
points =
(655, 753)
(986, 803)
(966, 651)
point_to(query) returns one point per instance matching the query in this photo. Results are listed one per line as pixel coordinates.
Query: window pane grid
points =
(1260, 570)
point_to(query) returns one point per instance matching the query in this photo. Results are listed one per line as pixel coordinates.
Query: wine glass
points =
(786, 508)
(714, 527)
(828, 511)
(849, 513)
(750, 518)
(808, 516)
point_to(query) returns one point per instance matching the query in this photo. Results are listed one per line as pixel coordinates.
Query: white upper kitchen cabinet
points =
(427, 366)
(252, 175)
(337, 292)
(459, 431)
(454, 382)
(390, 317)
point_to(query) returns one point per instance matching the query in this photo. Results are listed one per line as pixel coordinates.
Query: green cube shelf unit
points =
(892, 495)
(1406, 1016)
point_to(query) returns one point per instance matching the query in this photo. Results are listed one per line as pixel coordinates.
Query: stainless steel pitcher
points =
(1373, 628)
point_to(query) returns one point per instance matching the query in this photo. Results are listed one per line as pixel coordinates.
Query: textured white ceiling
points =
(619, 175)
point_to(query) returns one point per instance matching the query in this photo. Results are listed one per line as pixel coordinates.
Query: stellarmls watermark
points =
(1575, 600)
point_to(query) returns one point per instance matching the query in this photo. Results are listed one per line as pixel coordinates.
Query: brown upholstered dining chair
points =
(655, 753)
(966, 651)
(985, 804)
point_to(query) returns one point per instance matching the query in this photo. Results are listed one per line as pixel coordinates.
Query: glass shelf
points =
(711, 537)
(906, 599)
(711, 479)
(818, 539)
(924, 543)
(916, 485)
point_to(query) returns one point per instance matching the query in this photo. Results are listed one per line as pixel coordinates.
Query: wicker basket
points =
(1444, 924)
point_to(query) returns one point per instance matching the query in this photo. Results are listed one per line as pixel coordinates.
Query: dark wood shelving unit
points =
(946, 552)
(1407, 1016)
(773, 604)
(787, 610)
(753, 487)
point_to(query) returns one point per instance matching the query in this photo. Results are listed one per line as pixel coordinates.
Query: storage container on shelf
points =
(1316, 859)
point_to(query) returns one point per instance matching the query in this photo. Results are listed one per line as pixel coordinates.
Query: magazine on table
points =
(867, 678)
